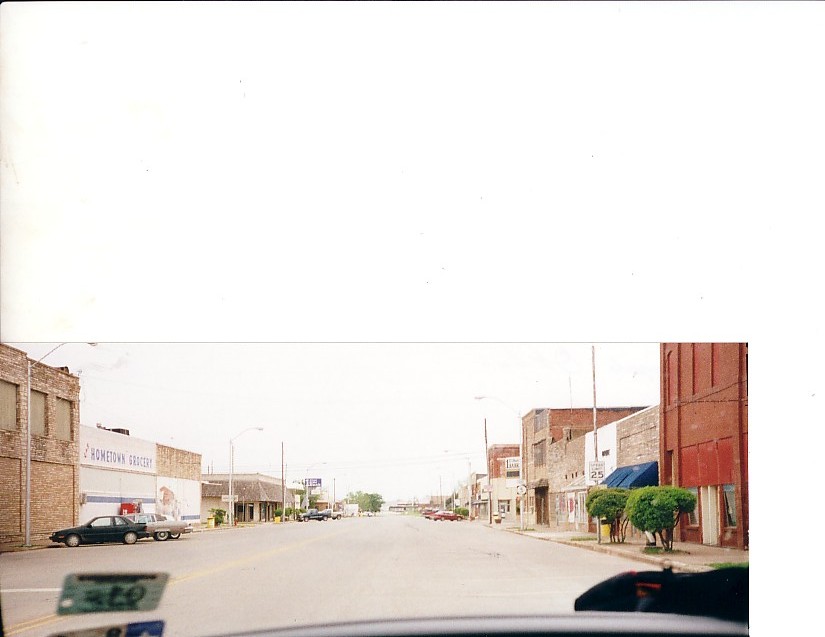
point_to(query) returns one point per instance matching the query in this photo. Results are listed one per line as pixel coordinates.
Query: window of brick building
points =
(730, 504)
(38, 413)
(63, 419)
(538, 453)
(8, 405)
(539, 421)
(693, 516)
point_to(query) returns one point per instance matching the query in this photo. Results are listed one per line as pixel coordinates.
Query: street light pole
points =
(231, 473)
(28, 522)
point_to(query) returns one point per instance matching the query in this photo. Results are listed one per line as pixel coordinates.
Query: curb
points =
(663, 562)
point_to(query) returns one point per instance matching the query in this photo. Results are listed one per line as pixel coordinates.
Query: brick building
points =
(551, 453)
(704, 438)
(503, 478)
(55, 421)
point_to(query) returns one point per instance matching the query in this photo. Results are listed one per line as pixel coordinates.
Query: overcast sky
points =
(397, 419)
(397, 172)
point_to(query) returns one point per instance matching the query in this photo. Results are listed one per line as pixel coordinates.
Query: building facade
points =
(121, 474)
(704, 438)
(46, 459)
(629, 451)
(553, 461)
(503, 461)
(258, 496)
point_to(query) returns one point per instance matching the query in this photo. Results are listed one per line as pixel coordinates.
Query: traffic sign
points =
(596, 470)
(521, 489)
(225, 498)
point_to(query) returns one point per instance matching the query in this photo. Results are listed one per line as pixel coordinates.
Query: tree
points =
(657, 510)
(609, 505)
(371, 502)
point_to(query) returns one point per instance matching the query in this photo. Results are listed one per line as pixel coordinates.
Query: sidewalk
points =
(686, 557)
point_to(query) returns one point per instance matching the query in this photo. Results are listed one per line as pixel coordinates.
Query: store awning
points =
(645, 474)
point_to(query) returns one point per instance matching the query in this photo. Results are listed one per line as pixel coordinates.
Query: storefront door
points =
(709, 505)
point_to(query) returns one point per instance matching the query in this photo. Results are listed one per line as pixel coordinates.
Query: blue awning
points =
(645, 474)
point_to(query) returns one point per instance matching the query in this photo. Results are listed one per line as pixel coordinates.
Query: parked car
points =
(446, 515)
(104, 528)
(159, 526)
(314, 514)
(333, 515)
(427, 513)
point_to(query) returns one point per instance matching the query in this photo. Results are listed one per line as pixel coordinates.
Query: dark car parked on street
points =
(106, 528)
(314, 514)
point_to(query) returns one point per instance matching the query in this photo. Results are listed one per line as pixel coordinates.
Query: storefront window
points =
(693, 516)
(581, 509)
(730, 504)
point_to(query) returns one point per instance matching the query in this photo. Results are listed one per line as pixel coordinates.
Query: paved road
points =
(294, 574)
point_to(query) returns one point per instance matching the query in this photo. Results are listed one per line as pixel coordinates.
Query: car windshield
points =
(334, 312)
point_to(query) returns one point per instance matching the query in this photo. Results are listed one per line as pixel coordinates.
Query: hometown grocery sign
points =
(109, 450)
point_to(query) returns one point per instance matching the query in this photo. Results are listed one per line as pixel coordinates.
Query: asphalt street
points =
(319, 572)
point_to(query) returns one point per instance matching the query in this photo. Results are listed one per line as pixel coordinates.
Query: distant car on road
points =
(159, 526)
(427, 513)
(446, 515)
(105, 528)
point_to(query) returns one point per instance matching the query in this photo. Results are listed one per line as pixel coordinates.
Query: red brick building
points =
(704, 437)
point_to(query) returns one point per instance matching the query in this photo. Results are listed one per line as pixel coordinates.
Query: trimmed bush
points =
(657, 510)
(609, 505)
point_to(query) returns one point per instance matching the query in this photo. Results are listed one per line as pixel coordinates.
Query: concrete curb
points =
(662, 562)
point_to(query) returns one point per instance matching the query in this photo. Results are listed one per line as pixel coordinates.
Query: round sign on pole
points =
(521, 489)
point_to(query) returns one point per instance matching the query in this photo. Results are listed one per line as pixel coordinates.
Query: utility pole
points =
(489, 475)
(283, 486)
(595, 432)
(595, 436)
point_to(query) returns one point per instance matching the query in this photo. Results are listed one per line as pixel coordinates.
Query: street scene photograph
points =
(367, 481)
(410, 319)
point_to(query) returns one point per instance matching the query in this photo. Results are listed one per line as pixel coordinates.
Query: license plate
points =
(109, 593)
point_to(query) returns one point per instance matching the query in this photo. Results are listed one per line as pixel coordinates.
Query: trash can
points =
(210, 522)
(605, 530)
(277, 519)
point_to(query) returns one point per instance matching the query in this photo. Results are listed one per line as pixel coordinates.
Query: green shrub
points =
(609, 505)
(657, 510)
(219, 515)
(465, 513)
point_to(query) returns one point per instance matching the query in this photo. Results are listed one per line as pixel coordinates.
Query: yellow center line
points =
(34, 623)
(250, 558)
(50, 619)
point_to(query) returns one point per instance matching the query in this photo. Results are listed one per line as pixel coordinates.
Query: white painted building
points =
(122, 474)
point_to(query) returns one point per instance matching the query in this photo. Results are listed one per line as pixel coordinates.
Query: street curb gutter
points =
(663, 562)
